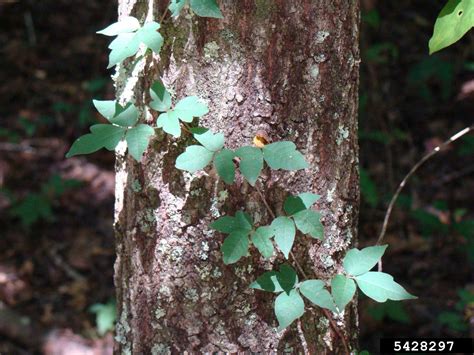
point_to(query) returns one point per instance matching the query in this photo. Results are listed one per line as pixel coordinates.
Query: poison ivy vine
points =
(242, 233)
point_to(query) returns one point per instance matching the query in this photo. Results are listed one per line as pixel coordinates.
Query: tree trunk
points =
(289, 68)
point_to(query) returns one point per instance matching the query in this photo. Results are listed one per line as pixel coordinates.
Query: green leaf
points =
(454, 20)
(161, 98)
(137, 140)
(293, 204)
(210, 141)
(380, 286)
(190, 107)
(223, 161)
(251, 163)
(288, 307)
(170, 123)
(176, 7)
(194, 158)
(109, 135)
(287, 277)
(229, 224)
(125, 25)
(343, 289)
(105, 316)
(262, 241)
(267, 282)
(308, 222)
(150, 37)
(33, 208)
(235, 246)
(357, 262)
(127, 117)
(124, 46)
(314, 291)
(284, 230)
(308, 198)
(283, 155)
(105, 107)
(102, 136)
(206, 8)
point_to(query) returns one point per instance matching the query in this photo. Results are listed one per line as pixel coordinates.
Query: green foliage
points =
(288, 308)
(129, 37)
(283, 155)
(391, 310)
(456, 319)
(358, 262)
(368, 188)
(206, 8)
(380, 286)
(124, 126)
(343, 289)
(39, 205)
(105, 316)
(454, 20)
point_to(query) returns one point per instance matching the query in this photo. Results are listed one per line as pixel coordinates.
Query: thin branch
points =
(336, 329)
(411, 172)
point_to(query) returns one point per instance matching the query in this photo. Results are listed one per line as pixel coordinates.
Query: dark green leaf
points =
(251, 163)
(229, 224)
(206, 8)
(161, 98)
(267, 282)
(293, 204)
(287, 277)
(235, 246)
(223, 161)
(314, 291)
(127, 117)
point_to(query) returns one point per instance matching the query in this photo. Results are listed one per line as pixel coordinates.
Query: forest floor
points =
(57, 248)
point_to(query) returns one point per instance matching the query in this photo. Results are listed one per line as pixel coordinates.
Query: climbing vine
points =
(299, 219)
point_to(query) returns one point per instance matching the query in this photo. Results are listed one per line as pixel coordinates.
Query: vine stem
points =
(410, 173)
(300, 269)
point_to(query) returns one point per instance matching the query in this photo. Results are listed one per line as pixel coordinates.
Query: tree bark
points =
(289, 68)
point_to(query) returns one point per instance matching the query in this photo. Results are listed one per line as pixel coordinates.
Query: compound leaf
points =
(229, 224)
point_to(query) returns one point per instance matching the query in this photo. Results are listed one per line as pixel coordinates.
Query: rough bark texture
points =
(291, 69)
